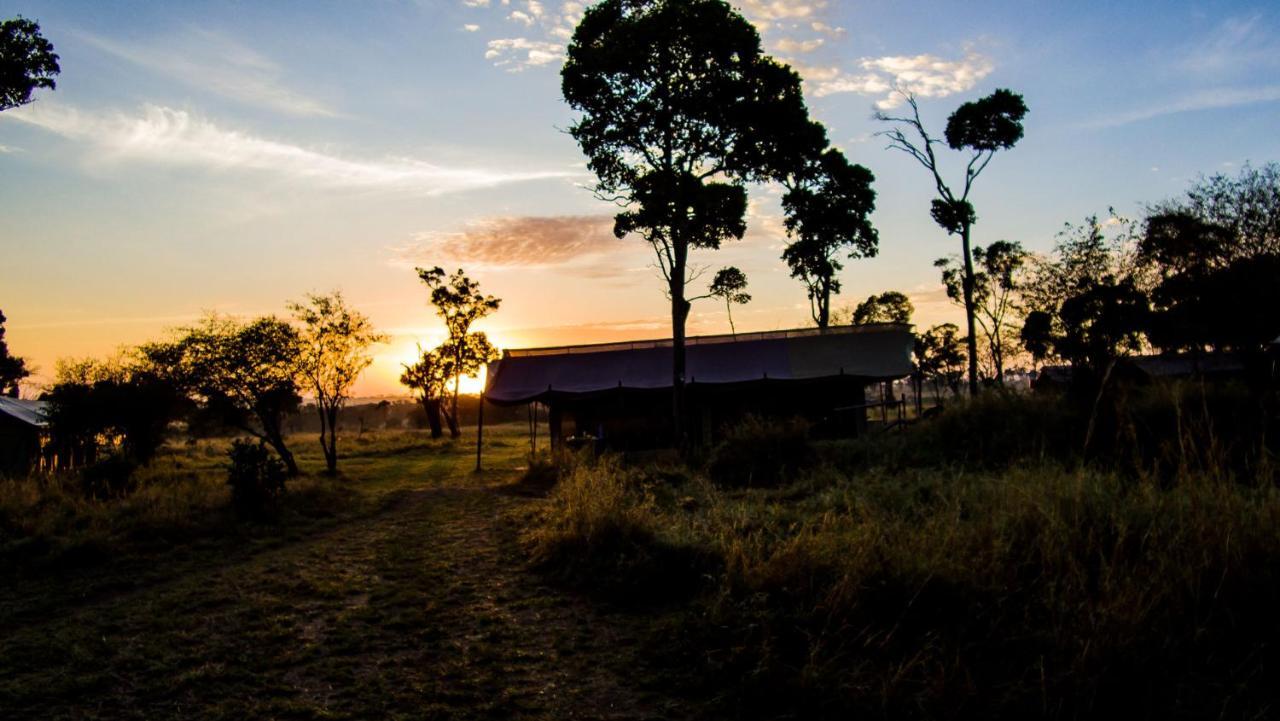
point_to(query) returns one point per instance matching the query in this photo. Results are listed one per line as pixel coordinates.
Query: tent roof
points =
(29, 412)
(875, 352)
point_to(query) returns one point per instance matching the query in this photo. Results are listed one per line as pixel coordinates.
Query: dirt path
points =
(421, 611)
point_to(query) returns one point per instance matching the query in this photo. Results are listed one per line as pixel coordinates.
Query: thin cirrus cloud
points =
(1213, 99)
(516, 242)
(211, 62)
(162, 135)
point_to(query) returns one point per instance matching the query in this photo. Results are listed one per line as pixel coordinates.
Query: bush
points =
(761, 452)
(256, 478)
(110, 477)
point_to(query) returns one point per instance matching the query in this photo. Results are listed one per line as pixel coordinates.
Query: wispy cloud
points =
(8, 149)
(1214, 99)
(523, 241)
(928, 76)
(518, 54)
(1236, 45)
(167, 136)
(212, 62)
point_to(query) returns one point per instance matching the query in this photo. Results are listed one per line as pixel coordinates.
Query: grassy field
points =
(394, 591)
(777, 579)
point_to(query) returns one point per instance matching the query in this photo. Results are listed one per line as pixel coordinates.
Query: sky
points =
(234, 156)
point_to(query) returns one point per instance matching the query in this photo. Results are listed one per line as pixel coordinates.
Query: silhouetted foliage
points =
(828, 206)
(679, 109)
(109, 477)
(334, 351)
(730, 284)
(1216, 253)
(997, 281)
(1065, 294)
(245, 372)
(12, 368)
(428, 379)
(888, 307)
(459, 302)
(27, 62)
(981, 127)
(940, 358)
(257, 480)
(123, 402)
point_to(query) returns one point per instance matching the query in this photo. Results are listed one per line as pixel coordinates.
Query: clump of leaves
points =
(111, 477)
(256, 478)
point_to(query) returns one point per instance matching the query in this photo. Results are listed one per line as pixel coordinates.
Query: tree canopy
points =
(27, 62)
(887, 307)
(12, 368)
(730, 285)
(460, 303)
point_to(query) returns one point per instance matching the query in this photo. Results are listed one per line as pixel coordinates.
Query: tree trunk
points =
(331, 448)
(679, 314)
(451, 420)
(432, 409)
(728, 308)
(824, 304)
(276, 441)
(453, 413)
(972, 340)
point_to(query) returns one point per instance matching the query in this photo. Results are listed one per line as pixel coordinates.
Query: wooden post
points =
(480, 432)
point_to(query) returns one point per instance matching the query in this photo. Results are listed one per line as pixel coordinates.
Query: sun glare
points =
(407, 353)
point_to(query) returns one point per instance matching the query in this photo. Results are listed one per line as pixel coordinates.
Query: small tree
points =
(428, 379)
(996, 286)
(828, 205)
(246, 372)
(888, 307)
(982, 128)
(940, 358)
(334, 351)
(730, 284)
(460, 303)
(27, 62)
(12, 368)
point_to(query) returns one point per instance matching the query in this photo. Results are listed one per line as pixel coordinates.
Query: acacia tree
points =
(730, 284)
(996, 285)
(428, 378)
(27, 62)
(459, 302)
(12, 368)
(888, 307)
(981, 127)
(334, 351)
(828, 204)
(680, 108)
(247, 372)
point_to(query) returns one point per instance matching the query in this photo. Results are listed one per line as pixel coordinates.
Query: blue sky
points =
(231, 156)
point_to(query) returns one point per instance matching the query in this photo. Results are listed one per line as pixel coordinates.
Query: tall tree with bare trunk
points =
(980, 128)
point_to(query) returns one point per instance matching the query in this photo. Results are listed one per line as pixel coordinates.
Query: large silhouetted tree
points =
(940, 358)
(27, 62)
(981, 128)
(245, 371)
(828, 204)
(679, 110)
(996, 284)
(730, 285)
(334, 351)
(12, 368)
(459, 302)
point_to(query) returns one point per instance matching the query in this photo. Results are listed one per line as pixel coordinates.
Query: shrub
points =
(761, 452)
(256, 478)
(110, 477)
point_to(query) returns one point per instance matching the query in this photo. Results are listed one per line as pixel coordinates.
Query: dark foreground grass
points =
(1033, 591)
(407, 598)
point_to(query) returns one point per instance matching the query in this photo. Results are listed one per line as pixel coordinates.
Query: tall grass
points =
(1039, 589)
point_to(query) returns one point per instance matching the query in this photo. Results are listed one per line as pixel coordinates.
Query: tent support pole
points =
(480, 432)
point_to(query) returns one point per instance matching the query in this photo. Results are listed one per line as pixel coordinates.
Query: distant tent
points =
(621, 391)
